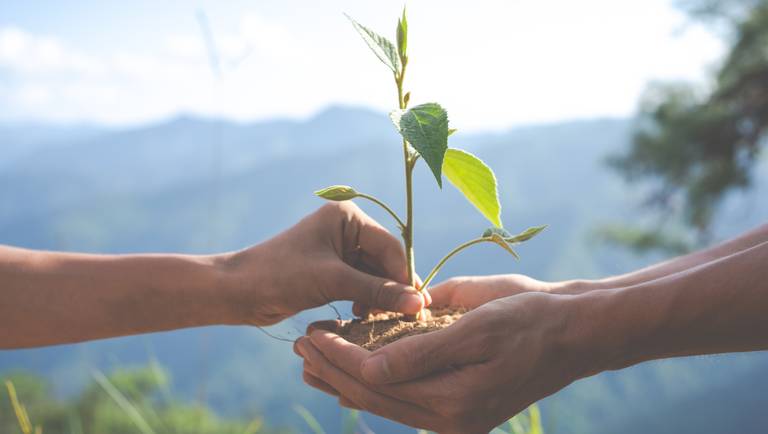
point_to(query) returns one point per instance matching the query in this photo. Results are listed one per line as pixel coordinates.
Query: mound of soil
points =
(377, 330)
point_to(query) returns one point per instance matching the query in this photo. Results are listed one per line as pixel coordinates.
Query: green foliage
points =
(309, 419)
(381, 46)
(502, 242)
(506, 240)
(337, 193)
(526, 422)
(425, 127)
(351, 421)
(425, 132)
(476, 181)
(124, 402)
(525, 235)
(696, 144)
(402, 38)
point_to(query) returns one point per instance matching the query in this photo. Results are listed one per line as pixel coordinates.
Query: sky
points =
(491, 63)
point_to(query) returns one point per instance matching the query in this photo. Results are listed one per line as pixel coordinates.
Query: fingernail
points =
(409, 302)
(376, 369)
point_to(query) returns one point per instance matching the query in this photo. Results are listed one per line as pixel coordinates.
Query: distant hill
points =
(202, 185)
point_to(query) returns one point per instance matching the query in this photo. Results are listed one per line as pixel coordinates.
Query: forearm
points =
(670, 267)
(52, 298)
(717, 307)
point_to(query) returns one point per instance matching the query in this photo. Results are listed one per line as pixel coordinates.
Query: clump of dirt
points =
(377, 330)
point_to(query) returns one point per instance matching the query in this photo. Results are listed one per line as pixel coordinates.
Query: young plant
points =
(424, 129)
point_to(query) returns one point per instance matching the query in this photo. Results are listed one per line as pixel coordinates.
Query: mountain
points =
(202, 185)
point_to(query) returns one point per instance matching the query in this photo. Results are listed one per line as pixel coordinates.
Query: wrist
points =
(612, 329)
(239, 274)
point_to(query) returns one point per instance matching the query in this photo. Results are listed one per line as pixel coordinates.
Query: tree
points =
(695, 144)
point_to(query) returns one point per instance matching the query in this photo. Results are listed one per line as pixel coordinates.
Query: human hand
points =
(468, 378)
(473, 291)
(336, 253)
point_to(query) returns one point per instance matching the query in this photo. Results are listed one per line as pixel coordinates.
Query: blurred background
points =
(634, 129)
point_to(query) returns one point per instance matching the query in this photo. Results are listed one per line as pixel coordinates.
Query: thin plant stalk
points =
(408, 164)
(445, 259)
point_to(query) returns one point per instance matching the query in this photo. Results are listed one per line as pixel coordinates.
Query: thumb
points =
(378, 292)
(414, 357)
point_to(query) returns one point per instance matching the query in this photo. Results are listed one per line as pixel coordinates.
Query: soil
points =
(377, 330)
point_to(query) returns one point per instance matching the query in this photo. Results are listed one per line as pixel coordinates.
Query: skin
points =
(525, 339)
(336, 253)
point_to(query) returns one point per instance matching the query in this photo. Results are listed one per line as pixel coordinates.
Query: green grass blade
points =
(123, 402)
(310, 420)
(350, 422)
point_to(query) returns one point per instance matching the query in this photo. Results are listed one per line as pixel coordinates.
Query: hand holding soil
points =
(494, 361)
(523, 339)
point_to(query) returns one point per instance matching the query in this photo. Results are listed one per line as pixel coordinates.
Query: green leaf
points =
(381, 46)
(513, 239)
(496, 230)
(451, 131)
(425, 127)
(496, 238)
(337, 193)
(526, 234)
(475, 181)
(402, 37)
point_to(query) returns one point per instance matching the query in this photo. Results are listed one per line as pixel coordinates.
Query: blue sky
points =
(491, 63)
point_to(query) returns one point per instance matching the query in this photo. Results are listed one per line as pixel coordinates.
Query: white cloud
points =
(491, 65)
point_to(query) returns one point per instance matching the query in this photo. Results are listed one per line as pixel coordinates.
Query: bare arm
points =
(672, 266)
(510, 352)
(53, 298)
(717, 307)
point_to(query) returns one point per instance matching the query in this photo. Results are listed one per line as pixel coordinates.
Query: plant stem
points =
(445, 259)
(386, 208)
(409, 164)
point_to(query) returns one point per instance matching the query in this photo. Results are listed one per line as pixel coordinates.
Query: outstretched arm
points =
(508, 353)
(510, 284)
(336, 253)
(676, 265)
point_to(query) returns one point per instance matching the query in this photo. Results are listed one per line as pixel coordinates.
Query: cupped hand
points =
(494, 362)
(336, 253)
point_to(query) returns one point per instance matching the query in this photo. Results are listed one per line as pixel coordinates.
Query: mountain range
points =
(198, 185)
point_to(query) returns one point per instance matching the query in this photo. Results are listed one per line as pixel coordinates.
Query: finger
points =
(443, 293)
(319, 384)
(427, 297)
(296, 349)
(419, 356)
(382, 249)
(331, 325)
(359, 394)
(468, 292)
(349, 358)
(361, 310)
(376, 292)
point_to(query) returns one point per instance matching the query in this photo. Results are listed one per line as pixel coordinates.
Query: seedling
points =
(424, 129)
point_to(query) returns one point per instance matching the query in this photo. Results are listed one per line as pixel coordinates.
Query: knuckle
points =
(380, 296)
